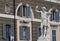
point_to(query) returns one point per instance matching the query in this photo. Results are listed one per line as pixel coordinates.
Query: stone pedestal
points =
(44, 39)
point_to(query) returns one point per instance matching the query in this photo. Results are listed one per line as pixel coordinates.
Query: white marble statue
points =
(45, 18)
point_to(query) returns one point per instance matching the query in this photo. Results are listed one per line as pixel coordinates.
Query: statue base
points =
(43, 39)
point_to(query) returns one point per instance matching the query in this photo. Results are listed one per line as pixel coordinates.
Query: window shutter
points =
(21, 33)
(51, 17)
(28, 33)
(57, 16)
(21, 11)
(4, 31)
(38, 32)
(28, 12)
(12, 30)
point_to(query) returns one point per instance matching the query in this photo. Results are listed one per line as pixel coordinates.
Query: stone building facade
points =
(28, 21)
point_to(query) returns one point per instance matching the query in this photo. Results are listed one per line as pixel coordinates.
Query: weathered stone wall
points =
(4, 21)
(34, 30)
(32, 3)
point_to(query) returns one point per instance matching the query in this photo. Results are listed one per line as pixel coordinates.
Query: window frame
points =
(24, 11)
(54, 28)
(22, 37)
(53, 36)
(53, 16)
(5, 27)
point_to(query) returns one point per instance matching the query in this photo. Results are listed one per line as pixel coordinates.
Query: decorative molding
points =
(55, 1)
(6, 16)
(37, 20)
(54, 23)
(26, 19)
(54, 28)
(17, 8)
(21, 24)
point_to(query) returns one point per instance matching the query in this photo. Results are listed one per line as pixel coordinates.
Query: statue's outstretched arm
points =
(37, 9)
(50, 10)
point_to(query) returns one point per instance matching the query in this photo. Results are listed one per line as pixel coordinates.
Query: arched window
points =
(24, 11)
(55, 16)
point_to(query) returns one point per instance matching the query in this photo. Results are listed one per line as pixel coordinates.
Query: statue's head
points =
(43, 8)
